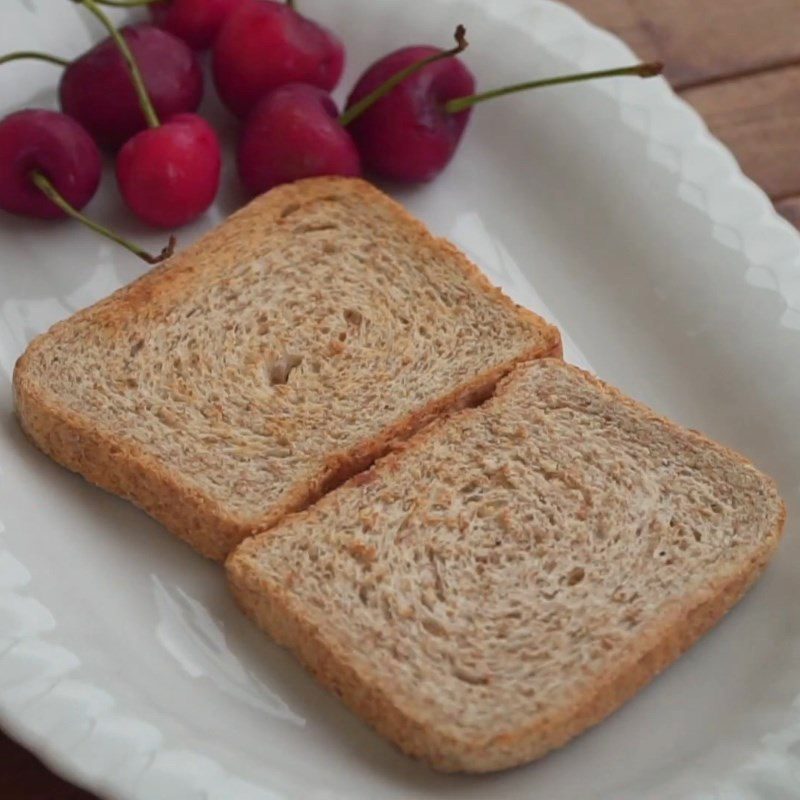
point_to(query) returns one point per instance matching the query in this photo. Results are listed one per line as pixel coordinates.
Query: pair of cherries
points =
(403, 120)
(258, 45)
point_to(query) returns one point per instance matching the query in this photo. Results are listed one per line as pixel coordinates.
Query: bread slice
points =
(516, 572)
(271, 361)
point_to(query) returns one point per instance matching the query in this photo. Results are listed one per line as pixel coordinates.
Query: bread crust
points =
(283, 617)
(124, 468)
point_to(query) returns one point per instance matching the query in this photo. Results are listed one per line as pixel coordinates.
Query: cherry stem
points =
(357, 109)
(35, 55)
(290, 3)
(647, 70)
(130, 61)
(52, 194)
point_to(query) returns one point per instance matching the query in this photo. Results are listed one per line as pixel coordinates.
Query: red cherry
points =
(54, 145)
(169, 175)
(411, 132)
(294, 132)
(50, 168)
(96, 88)
(265, 44)
(407, 135)
(197, 22)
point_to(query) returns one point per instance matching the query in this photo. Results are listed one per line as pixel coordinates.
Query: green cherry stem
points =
(130, 61)
(647, 70)
(290, 3)
(46, 187)
(19, 55)
(357, 109)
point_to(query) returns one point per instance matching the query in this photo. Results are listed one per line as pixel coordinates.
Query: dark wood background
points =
(738, 63)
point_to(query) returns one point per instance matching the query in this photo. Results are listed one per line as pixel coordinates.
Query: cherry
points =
(50, 168)
(412, 132)
(96, 88)
(169, 175)
(294, 132)
(54, 145)
(265, 44)
(406, 135)
(197, 22)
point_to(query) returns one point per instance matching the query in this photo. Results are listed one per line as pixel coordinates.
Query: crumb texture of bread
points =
(516, 572)
(272, 360)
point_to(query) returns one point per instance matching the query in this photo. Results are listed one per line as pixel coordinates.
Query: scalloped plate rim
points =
(57, 756)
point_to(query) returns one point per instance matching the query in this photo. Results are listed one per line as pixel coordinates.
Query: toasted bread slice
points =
(270, 361)
(516, 572)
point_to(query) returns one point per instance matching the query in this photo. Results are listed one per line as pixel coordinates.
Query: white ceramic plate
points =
(609, 208)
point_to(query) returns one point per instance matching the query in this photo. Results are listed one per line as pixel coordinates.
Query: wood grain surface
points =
(701, 41)
(758, 117)
(738, 63)
(790, 208)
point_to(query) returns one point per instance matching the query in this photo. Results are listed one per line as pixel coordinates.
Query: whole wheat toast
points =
(269, 362)
(515, 572)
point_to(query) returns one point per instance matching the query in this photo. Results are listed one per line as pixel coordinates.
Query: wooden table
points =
(738, 63)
